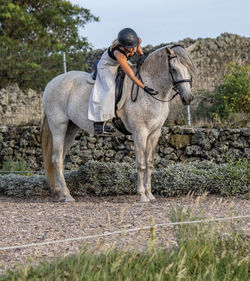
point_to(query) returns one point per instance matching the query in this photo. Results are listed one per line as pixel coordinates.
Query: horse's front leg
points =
(151, 144)
(140, 141)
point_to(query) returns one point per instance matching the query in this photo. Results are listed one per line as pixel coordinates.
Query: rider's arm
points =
(127, 69)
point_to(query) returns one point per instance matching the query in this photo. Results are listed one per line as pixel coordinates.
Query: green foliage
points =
(32, 35)
(19, 166)
(228, 102)
(233, 95)
(228, 179)
(203, 253)
(233, 178)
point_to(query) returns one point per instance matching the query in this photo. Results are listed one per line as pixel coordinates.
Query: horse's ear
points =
(170, 52)
(191, 47)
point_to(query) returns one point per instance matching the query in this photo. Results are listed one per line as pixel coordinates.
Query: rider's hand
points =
(150, 91)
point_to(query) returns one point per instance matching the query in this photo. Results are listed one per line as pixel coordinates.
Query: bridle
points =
(174, 82)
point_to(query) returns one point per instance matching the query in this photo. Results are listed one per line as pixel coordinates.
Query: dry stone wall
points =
(18, 106)
(176, 144)
(211, 55)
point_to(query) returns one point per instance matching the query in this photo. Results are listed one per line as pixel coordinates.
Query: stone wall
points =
(18, 106)
(176, 144)
(211, 55)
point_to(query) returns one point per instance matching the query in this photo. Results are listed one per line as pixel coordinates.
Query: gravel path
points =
(25, 221)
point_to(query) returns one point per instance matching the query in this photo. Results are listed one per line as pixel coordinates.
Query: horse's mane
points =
(182, 54)
(185, 58)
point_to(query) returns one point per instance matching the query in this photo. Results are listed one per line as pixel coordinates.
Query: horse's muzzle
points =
(187, 100)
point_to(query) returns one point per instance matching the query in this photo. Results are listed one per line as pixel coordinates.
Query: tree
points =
(33, 33)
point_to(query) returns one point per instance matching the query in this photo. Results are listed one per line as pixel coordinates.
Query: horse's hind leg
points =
(58, 135)
(69, 137)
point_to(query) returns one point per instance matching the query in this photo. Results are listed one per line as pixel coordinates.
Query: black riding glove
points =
(141, 60)
(150, 91)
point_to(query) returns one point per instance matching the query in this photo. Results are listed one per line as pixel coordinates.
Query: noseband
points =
(172, 76)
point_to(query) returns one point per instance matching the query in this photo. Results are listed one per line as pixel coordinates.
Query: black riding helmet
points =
(128, 38)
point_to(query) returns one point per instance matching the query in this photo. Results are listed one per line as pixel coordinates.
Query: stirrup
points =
(101, 129)
(108, 129)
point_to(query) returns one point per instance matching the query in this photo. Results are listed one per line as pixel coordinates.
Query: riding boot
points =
(101, 129)
(98, 128)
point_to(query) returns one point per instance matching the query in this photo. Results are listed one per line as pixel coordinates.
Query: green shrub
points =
(104, 179)
(18, 166)
(233, 95)
(229, 102)
(232, 178)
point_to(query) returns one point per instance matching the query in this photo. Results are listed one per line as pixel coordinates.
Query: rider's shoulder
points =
(119, 54)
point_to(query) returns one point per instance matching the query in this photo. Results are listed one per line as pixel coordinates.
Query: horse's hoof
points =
(69, 199)
(151, 197)
(144, 198)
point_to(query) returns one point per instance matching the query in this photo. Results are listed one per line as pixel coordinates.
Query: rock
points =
(179, 141)
(205, 143)
(247, 153)
(110, 153)
(98, 154)
(193, 150)
(128, 159)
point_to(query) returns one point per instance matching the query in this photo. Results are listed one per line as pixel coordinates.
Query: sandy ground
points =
(35, 220)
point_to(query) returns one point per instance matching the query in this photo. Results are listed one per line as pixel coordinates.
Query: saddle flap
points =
(119, 86)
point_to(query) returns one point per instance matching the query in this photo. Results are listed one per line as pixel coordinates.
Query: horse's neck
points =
(156, 74)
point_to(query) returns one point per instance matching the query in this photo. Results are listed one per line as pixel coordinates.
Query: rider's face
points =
(131, 51)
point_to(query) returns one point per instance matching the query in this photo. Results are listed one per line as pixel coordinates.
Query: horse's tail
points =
(47, 148)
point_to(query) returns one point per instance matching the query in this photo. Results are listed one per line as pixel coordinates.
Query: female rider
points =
(102, 97)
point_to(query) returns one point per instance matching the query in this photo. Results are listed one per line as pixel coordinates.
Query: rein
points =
(138, 75)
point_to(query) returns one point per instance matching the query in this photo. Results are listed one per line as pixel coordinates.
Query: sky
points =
(164, 21)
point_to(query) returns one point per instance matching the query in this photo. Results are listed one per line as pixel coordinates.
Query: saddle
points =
(118, 94)
(119, 80)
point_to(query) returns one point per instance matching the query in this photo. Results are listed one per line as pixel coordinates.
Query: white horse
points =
(65, 106)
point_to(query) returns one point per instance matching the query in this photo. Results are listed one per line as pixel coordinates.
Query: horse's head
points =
(181, 68)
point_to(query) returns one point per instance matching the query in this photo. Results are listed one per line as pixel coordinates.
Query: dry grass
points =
(39, 219)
